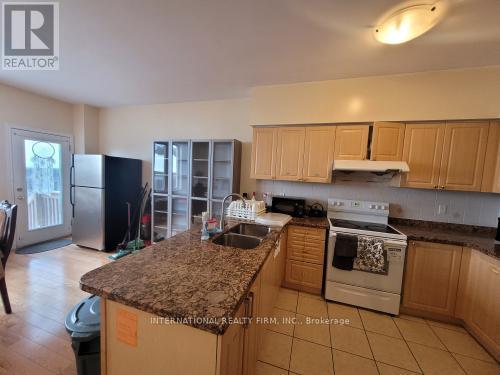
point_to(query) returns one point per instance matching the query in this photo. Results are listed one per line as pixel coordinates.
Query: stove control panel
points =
(357, 206)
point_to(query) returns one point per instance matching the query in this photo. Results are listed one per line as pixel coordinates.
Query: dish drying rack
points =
(248, 210)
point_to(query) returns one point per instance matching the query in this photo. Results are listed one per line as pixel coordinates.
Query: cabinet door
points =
(252, 331)
(290, 155)
(351, 142)
(318, 153)
(304, 276)
(387, 141)
(232, 344)
(491, 175)
(422, 150)
(463, 156)
(431, 277)
(484, 312)
(264, 152)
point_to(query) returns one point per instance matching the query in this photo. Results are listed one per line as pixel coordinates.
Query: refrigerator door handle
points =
(72, 175)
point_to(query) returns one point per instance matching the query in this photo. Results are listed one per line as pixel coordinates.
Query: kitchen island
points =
(186, 306)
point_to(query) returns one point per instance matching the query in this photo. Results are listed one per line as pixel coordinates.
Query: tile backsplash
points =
(419, 204)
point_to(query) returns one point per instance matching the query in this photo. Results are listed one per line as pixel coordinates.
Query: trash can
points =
(83, 324)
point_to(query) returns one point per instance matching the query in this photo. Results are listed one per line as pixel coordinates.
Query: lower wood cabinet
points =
(431, 277)
(305, 258)
(479, 298)
(455, 284)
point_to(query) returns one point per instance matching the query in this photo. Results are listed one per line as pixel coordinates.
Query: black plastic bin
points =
(83, 324)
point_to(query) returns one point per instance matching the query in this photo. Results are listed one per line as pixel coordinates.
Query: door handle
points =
(20, 197)
(72, 175)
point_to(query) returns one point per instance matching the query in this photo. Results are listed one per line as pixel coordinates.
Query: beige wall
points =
(86, 129)
(451, 94)
(25, 109)
(130, 131)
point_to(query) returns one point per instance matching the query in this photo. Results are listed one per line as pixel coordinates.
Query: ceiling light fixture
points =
(409, 23)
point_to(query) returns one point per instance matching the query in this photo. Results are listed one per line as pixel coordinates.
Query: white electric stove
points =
(373, 290)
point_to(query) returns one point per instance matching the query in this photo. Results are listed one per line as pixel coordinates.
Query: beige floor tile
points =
(412, 318)
(392, 351)
(311, 307)
(313, 296)
(350, 340)
(310, 359)
(266, 369)
(476, 367)
(312, 329)
(435, 361)
(453, 327)
(462, 343)
(419, 333)
(385, 369)
(379, 323)
(348, 364)
(287, 299)
(276, 349)
(284, 321)
(339, 311)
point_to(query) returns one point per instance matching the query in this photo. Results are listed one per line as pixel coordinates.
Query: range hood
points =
(378, 167)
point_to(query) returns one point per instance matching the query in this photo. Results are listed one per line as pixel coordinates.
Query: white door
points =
(41, 164)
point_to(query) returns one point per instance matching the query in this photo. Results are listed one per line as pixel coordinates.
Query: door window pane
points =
(200, 169)
(180, 168)
(160, 207)
(43, 183)
(222, 170)
(160, 168)
(197, 208)
(179, 215)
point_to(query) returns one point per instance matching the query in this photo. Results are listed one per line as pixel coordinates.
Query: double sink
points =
(243, 236)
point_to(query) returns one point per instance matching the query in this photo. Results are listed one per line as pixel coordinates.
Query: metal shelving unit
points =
(189, 177)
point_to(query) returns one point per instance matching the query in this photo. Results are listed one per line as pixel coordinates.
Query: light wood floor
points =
(42, 288)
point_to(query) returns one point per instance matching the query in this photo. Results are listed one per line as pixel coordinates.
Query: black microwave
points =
(295, 207)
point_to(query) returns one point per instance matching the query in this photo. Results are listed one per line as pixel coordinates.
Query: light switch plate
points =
(442, 209)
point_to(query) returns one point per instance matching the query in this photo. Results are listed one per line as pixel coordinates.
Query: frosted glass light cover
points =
(409, 23)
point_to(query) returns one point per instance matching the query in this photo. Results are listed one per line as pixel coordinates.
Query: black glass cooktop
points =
(363, 225)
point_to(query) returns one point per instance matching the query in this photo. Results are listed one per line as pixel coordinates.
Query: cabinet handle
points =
(496, 271)
(249, 309)
(442, 187)
(435, 186)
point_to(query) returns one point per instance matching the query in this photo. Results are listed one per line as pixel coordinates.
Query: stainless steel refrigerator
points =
(101, 187)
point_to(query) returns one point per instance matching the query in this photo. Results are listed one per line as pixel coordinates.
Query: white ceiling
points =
(124, 52)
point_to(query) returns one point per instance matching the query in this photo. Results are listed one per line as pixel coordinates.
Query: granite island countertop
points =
(478, 238)
(183, 278)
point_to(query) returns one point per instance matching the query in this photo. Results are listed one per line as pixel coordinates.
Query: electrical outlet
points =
(442, 209)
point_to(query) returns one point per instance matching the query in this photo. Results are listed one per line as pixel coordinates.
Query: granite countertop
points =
(196, 282)
(478, 238)
(314, 222)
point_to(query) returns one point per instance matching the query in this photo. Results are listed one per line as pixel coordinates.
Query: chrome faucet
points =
(222, 223)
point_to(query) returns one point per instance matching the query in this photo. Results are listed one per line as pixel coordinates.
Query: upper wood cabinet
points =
(387, 141)
(290, 153)
(351, 142)
(318, 153)
(431, 277)
(422, 150)
(265, 142)
(491, 174)
(463, 156)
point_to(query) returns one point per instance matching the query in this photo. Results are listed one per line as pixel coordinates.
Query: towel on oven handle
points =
(371, 256)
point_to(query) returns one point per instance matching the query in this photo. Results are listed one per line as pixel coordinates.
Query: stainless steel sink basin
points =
(254, 230)
(237, 240)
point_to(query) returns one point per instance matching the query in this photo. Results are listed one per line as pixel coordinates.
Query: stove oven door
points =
(391, 282)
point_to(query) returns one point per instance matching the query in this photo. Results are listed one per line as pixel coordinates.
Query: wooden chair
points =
(6, 241)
